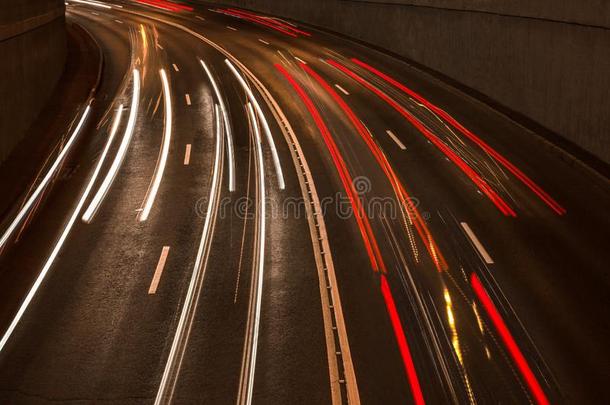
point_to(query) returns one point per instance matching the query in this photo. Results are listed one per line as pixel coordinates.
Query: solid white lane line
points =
(473, 238)
(231, 28)
(263, 41)
(172, 367)
(122, 151)
(300, 60)
(23, 211)
(187, 154)
(342, 90)
(175, 67)
(58, 245)
(158, 271)
(395, 139)
(227, 125)
(167, 135)
(188, 99)
(261, 116)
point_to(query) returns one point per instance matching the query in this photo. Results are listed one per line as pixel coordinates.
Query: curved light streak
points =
(26, 207)
(227, 126)
(172, 367)
(260, 257)
(167, 134)
(118, 159)
(261, 116)
(58, 245)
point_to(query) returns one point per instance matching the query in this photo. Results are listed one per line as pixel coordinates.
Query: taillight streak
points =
(508, 340)
(448, 152)
(543, 195)
(363, 224)
(397, 186)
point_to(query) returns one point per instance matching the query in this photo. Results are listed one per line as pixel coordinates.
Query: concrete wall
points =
(32, 58)
(547, 60)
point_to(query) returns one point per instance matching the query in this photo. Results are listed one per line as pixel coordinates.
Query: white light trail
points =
(58, 245)
(260, 257)
(261, 116)
(92, 3)
(118, 159)
(26, 207)
(172, 367)
(167, 134)
(227, 126)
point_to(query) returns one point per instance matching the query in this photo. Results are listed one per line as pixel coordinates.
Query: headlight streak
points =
(227, 126)
(298, 156)
(259, 265)
(118, 159)
(265, 125)
(58, 245)
(179, 343)
(167, 135)
(32, 199)
(92, 3)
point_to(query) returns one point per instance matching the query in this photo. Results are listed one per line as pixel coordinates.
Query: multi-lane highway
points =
(253, 211)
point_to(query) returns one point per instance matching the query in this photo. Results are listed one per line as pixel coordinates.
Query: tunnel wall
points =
(32, 58)
(547, 61)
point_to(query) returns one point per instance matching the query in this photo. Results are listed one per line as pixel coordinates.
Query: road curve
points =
(255, 211)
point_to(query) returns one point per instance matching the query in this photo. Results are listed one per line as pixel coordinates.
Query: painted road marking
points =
(200, 17)
(175, 67)
(159, 270)
(473, 238)
(395, 139)
(300, 60)
(342, 89)
(231, 28)
(188, 99)
(187, 154)
(263, 41)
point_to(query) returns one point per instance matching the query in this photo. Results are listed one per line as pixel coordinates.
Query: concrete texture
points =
(32, 58)
(547, 61)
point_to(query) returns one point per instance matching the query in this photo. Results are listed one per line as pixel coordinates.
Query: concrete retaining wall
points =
(546, 60)
(32, 58)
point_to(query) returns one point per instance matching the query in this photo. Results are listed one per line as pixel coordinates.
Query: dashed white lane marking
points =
(119, 21)
(175, 67)
(263, 41)
(342, 90)
(473, 238)
(200, 17)
(187, 154)
(395, 139)
(159, 270)
(94, 13)
(159, 46)
(300, 60)
(188, 99)
(231, 28)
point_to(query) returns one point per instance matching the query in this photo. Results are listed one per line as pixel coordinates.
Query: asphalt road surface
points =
(252, 211)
